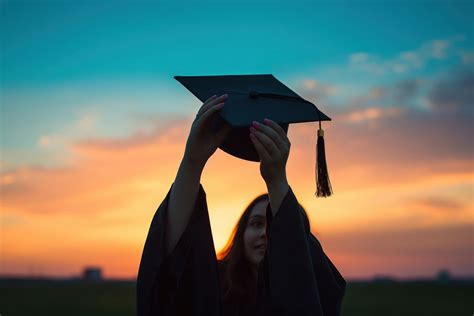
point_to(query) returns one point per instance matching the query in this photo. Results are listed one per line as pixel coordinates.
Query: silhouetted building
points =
(383, 279)
(92, 273)
(443, 276)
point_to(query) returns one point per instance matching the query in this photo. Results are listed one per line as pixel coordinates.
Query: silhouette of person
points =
(272, 264)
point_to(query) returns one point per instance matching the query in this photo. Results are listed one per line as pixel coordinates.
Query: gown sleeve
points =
(299, 279)
(185, 282)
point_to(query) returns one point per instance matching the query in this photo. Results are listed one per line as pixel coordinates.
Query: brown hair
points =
(238, 283)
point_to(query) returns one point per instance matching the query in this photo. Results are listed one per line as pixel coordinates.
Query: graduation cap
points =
(254, 98)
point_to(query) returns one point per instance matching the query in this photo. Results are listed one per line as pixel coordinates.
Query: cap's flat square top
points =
(253, 98)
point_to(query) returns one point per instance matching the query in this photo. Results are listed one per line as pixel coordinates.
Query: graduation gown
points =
(295, 277)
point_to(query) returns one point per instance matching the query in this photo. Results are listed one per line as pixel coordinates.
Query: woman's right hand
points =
(202, 141)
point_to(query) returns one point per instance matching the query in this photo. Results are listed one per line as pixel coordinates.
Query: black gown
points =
(295, 277)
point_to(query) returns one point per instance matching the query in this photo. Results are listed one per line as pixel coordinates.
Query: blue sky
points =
(56, 42)
(111, 64)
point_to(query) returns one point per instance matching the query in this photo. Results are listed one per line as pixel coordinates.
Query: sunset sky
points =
(93, 127)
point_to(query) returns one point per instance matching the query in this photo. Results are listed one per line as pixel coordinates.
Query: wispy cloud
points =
(436, 203)
(454, 93)
(406, 61)
(385, 251)
(321, 89)
(87, 121)
(50, 140)
(467, 57)
(371, 114)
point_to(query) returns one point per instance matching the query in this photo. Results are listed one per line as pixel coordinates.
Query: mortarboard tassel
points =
(323, 185)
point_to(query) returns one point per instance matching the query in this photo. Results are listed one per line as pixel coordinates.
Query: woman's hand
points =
(202, 141)
(273, 147)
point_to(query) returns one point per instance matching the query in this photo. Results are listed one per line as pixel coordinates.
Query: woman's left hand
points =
(273, 148)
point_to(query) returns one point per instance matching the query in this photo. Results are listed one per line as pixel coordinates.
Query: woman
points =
(179, 272)
(240, 258)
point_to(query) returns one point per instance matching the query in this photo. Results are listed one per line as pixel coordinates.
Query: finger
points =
(210, 98)
(206, 106)
(262, 152)
(279, 141)
(277, 128)
(209, 112)
(267, 142)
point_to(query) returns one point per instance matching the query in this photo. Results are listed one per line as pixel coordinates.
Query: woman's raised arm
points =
(201, 144)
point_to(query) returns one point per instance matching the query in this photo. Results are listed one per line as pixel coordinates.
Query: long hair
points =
(238, 283)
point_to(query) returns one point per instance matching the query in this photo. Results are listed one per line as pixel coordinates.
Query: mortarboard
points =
(254, 98)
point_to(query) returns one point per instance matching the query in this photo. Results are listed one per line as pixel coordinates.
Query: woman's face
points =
(255, 237)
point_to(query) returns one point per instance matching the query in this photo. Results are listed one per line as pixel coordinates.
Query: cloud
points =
(97, 180)
(406, 132)
(412, 58)
(163, 133)
(388, 100)
(317, 90)
(9, 220)
(369, 114)
(45, 141)
(405, 90)
(87, 121)
(454, 93)
(467, 57)
(6, 179)
(436, 204)
(387, 128)
(437, 49)
(376, 93)
(402, 252)
(372, 98)
(357, 58)
(366, 62)
(80, 127)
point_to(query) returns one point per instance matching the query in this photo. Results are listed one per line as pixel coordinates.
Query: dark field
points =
(21, 298)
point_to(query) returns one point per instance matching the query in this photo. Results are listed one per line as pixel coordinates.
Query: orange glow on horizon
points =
(96, 210)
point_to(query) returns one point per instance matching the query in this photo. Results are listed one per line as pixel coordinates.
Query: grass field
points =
(26, 298)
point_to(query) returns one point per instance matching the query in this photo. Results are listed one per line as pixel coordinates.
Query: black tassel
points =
(323, 185)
